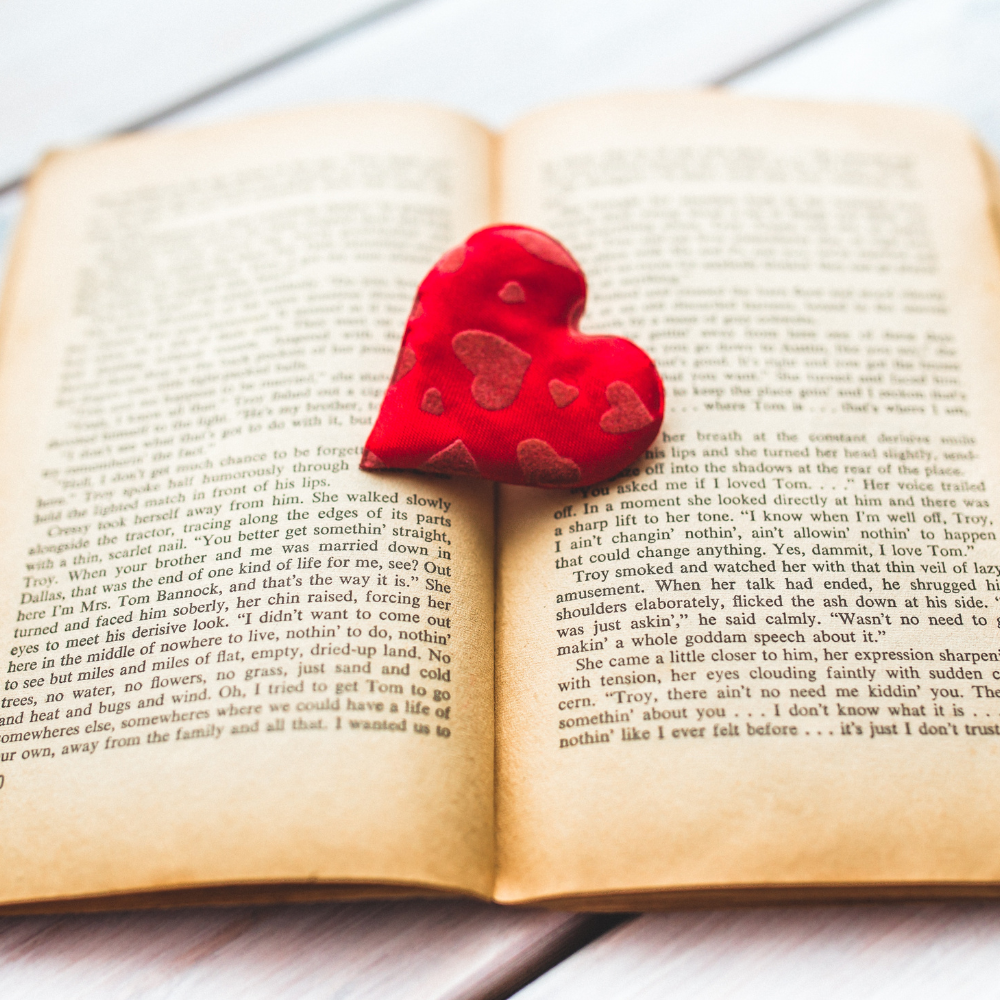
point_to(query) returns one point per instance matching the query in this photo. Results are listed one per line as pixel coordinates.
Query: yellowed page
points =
(233, 657)
(768, 654)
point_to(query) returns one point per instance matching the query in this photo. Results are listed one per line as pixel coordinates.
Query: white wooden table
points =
(73, 72)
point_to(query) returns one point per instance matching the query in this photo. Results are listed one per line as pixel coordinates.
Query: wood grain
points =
(887, 952)
(936, 53)
(453, 950)
(74, 72)
(10, 210)
(497, 59)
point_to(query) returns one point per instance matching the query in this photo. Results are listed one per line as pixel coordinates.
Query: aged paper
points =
(768, 654)
(233, 657)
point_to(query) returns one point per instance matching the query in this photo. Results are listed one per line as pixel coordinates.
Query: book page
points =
(768, 654)
(233, 657)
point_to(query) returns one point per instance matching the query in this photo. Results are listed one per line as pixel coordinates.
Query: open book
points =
(763, 663)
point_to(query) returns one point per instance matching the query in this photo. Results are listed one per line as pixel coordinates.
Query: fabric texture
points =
(494, 378)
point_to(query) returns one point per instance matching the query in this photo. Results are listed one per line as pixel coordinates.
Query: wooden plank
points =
(73, 72)
(938, 53)
(10, 210)
(887, 952)
(56, 88)
(497, 59)
(416, 950)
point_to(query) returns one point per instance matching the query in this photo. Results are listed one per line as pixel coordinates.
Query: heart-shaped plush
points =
(494, 379)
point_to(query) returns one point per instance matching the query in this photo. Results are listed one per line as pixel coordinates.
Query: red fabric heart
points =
(494, 378)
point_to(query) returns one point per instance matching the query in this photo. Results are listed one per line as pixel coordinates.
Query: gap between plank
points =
(372, 17)
(587, 930)
(796, 43)
(260, 69)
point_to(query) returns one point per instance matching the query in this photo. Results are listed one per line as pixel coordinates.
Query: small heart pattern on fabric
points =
(561, 393)
(543, 467)
(498, 365)
(495, 379)
(627, 413)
